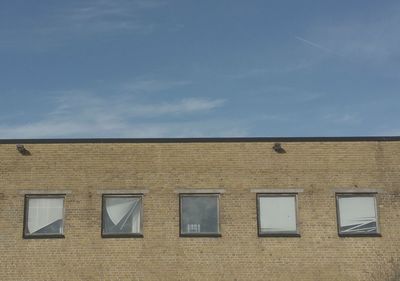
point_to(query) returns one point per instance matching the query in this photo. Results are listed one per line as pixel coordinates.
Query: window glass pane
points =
(45, 216)
(357, 214)
(121, 215)
(277, 214)
(199, 214)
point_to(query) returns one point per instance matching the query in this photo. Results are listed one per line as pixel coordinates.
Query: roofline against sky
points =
(201, 140)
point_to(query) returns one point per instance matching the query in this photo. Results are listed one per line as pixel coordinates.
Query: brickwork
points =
(85, 169)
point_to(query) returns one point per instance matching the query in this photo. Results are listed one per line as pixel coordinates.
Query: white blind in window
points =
(43, 212)
(277, 214)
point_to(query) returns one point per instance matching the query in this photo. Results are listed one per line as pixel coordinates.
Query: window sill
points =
(279, 235)
(125, 235)
(360, 235)
(212, 235)
(45, 236)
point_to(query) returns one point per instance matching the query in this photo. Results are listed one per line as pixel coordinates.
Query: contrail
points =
(313, 44)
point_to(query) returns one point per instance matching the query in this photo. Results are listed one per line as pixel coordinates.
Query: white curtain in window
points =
(43, 212)
(357, 214)
(121, 210)
(277, 214)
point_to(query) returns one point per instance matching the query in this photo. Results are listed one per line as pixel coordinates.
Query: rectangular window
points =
(357, 214)
(122, 215)
(44, 216)
(277, 215)
(199, 215)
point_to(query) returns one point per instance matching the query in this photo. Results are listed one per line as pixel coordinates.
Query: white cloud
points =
(82, 114)
(87, 104)
(189, 105)
(75, 129)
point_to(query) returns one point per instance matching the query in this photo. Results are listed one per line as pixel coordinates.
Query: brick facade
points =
(85, 170)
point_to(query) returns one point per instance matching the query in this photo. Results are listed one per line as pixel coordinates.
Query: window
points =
(44, 216)
(357, 215)
(277, 215)
(122, 215)
(199, 215)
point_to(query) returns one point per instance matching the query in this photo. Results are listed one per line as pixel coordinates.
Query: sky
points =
(209, 68)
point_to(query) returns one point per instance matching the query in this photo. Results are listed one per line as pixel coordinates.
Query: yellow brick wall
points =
(85, 169)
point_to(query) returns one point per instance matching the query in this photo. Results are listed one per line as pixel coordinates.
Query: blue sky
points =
(185, 68)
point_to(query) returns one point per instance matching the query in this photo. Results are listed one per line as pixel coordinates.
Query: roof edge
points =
(201, 140)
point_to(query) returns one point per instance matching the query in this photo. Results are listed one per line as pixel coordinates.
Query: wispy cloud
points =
(146, 85)
(190, 105)
(389, 132)
(61, 24)
(343, 118)
(373, 38)
(279, 69)
(295, 95)
(81, 113)
(53, 129)
(108, 15)
(86, 104)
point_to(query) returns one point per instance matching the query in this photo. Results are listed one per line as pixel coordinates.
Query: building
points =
(304, 209)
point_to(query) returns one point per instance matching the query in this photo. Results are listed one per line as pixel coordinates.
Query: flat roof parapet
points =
(201, 140)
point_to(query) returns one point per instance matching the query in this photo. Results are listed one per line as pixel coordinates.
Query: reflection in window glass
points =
(277, 214)
(357, 214)
(121, 214)
(199, 214)
(44, 216)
